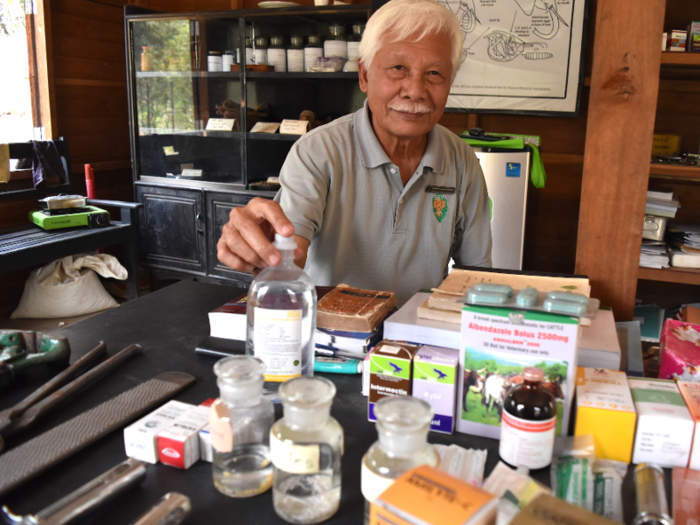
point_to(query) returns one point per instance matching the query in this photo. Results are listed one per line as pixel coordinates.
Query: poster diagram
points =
(519, 55)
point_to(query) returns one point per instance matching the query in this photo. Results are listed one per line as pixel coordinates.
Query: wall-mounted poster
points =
(522, 56)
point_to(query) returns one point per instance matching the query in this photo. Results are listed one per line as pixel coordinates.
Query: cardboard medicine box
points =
(428, 496)
(140, 438)
(693, 42)
(435, 381)
(691, 395)
(605, 409)
(679, 356)
(677, 40)
(664, 426)
(390, 365)
(178, 444)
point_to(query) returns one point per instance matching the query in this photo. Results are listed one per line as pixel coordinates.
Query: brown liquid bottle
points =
(529, 422)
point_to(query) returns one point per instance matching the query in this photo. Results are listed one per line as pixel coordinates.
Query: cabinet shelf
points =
(236, 75)
(670, 58)
(675, 171)
(670, 275)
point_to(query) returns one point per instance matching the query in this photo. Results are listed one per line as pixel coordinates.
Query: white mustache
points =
(406, 107)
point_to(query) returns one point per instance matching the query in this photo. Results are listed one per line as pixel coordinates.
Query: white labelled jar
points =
(312, 51)
(260, 50)
(277, 54)
(214, 61)
(336, 45)
(249, 51)
(295, 55)
(227, 60)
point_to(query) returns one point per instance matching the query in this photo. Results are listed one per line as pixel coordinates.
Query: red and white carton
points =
(178, 444)
(140, 438)
(691, 395)
(680, 351)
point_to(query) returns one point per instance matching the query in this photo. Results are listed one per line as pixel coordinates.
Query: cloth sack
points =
(69, 287)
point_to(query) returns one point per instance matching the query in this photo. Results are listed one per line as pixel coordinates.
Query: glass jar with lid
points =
(354, 41)
(312, 51)
(277, 54)
(295, 55)
(260, 50)
(306, 446)
(249, 51)
(214, 61)
(336, 44)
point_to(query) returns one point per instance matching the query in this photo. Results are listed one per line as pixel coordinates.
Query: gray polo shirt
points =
(367, 229)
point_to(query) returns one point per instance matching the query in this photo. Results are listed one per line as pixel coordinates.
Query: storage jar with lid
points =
(336, 44)
(249, 51)
(260, 50)
(295, 55)
(277, 54)
(214, 61)
(354, 41)
(312, 51)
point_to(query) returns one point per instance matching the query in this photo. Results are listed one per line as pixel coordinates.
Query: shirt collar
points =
(373, 154)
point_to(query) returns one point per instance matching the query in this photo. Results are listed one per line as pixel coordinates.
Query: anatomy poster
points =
(518, 55)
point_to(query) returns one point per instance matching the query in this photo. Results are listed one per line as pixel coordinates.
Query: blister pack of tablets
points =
(556, 302)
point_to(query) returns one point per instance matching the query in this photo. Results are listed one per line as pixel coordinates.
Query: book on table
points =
(354, 309)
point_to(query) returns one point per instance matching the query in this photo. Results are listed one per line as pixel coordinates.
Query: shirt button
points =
(392, 170)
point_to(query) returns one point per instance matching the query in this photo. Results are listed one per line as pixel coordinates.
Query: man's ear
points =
(362, 72)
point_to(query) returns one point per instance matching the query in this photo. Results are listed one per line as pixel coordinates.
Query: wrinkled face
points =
(407, 86)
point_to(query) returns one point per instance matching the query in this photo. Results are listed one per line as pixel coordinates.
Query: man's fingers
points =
(235, 252)
(270, 211)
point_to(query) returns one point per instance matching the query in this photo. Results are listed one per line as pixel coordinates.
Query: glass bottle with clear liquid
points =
(282, 318)
(306, 446)
(403, 423)
(239, 422)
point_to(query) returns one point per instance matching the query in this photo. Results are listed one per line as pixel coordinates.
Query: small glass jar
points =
(227, 59)
(260, 50)
(239, 424)
(312, 51)
(354, 41)
(145, 58)
(249, 53)
(403, 423)
(336, 45)
(528, 423)
(306, 446)
(277, 54)
(214, 61)
(295, 55)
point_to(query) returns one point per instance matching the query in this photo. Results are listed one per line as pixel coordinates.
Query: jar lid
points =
(215, 53)
(297, 40)
(261, 41)
(337, 30)
(357, 29)
(314, 39)
(402, 414)
(307, 393)
(276, 40)
(229, 52)
(531, 373)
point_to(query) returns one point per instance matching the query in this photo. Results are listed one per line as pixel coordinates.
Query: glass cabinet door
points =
(186, 118)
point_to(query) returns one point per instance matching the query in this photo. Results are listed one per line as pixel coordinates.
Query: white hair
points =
(410, 20)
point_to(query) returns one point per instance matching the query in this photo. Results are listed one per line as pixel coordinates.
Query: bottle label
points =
(296, 459)
(353, 50)
(372, 484)
(295, 60)
(220, 427)
(278, 342)
(310, 56)
(335, 48)
(527, 443)
(249, 55)
(261, 56)
(277, 58)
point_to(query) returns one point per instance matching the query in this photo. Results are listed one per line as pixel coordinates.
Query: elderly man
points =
(384, 197)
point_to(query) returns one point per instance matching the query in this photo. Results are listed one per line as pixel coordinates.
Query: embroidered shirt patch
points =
(440, 207)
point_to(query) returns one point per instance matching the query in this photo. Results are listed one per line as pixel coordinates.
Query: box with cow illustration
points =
(390, 365)
(496, 344)
(605, 410)
(435, 381)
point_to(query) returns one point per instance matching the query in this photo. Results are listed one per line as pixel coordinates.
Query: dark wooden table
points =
(168, 324)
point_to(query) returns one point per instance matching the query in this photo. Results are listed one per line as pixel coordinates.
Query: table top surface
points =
(168, 324)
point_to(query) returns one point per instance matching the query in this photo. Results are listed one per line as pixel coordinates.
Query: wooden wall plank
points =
(82, 27)
(624, 83)
(90, 9)
(66, 67)
(75, 47)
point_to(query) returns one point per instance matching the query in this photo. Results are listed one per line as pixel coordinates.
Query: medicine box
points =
(605, 409)
(679, 351)
(390, 367)
(205, 451)
(428, 496)
(677, 40)
(435, 381)
(140, 438)
(693, 41)
(178, 444)
(664, 426)
(691, 395)
(664, 145)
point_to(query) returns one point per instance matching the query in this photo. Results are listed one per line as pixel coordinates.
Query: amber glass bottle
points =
(529, 422)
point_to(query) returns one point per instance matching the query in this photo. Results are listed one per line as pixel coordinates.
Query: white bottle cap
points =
(284, 243)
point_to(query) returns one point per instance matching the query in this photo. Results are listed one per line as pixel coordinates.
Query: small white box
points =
(178, 444)
(140, 438)
(664, 426)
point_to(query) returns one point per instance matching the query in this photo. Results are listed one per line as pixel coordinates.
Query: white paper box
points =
(664, 426)
(178, 444)
(140, 437)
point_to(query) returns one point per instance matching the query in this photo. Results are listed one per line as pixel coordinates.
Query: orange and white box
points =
(605, 409)
(691, 396)
(141, 438)
(178, 444)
